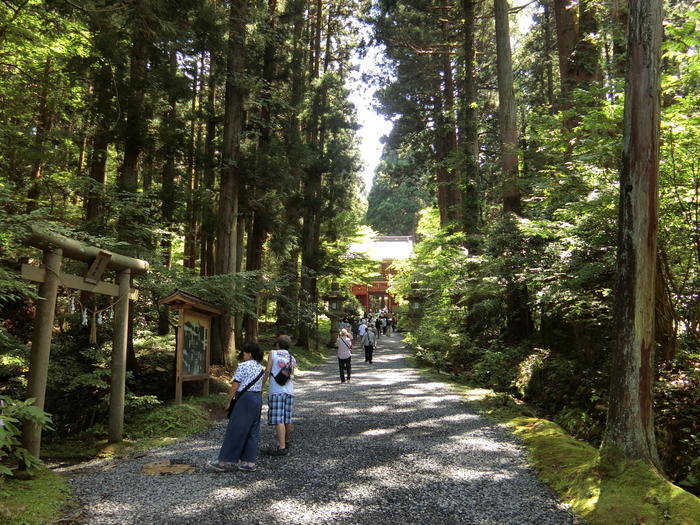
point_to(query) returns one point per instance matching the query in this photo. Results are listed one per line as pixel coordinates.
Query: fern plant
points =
(13, 413)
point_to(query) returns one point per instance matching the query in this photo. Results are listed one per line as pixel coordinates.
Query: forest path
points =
(390, 447)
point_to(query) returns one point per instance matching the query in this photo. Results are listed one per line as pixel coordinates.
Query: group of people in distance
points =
(367, 330)
(240, 446)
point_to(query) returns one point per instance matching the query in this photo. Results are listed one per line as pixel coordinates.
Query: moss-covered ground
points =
(632, 494)
(33, 501)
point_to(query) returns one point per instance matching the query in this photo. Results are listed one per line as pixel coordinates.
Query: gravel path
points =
(390, 447)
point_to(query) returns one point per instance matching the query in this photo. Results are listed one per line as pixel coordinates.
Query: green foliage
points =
(579, 423)
(677, 419)
(12, 413)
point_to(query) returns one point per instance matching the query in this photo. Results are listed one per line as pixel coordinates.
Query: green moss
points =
(633, 494)
(34, 501)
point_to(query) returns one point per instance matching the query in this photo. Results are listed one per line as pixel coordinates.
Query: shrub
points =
(13, 413)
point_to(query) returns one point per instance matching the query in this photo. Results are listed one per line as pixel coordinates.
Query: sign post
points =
(193, 342)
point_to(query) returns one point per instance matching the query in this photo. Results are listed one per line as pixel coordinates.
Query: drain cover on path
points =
(167, 467)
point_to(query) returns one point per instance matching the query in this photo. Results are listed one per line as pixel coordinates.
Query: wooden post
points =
(41, 345)
(179, 347)
(118, 385)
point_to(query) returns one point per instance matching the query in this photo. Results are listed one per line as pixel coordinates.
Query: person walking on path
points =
(344, 354)
(369, 340)
(243, 430)
(362, 328)
(398, 447)
(280, 400)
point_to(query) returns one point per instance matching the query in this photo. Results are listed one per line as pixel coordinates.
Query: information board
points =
(196, 341)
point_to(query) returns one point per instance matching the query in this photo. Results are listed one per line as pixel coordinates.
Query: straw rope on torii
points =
(50, 277)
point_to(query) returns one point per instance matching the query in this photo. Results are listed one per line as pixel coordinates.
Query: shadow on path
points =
(389, 447)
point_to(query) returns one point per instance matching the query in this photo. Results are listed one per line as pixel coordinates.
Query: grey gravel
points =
(389, 447)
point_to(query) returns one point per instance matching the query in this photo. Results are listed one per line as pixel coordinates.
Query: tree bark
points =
(209, 164)
(167, 193)
(312, 190)
(226, 249)
(629, 433)
(133, 135)
(43, 125)
(469, 145)
(507, 112)
(101, 140)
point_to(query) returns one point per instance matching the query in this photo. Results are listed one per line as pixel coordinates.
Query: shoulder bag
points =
(237, 394)
(285, 372)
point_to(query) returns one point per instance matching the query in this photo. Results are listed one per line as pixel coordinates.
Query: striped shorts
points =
(279, 409)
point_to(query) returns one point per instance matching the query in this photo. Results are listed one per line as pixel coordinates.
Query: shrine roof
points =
(384, 247)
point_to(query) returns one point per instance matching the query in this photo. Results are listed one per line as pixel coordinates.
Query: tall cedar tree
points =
(630, 425)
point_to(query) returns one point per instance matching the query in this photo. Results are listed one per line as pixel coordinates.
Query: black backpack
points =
(285, 372)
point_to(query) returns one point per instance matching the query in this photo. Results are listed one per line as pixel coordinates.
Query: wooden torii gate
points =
(49, 274)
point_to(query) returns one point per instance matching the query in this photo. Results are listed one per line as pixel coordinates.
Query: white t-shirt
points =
(280, 358)
(362, 329)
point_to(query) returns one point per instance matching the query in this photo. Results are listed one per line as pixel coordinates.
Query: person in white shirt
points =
(369, 340)
(280, 400)
(362, 328)
(240, 447)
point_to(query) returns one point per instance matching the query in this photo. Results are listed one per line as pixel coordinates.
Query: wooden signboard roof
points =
(184, 301)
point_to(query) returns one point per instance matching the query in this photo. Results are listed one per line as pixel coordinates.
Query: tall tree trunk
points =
(226, 249)
(469, 144)
(43, 125)
(288, 303)
(567, 36)
(127, 180)
(259, 226)
(133, 135)
(547, 23)
(190, 252)
(449, 133)
(507, 112)
(167, 193)
(619, 17)
(101, 140)
(629, 432)
(579, 54)
(312, 190)
(254, 259)
(209, 165)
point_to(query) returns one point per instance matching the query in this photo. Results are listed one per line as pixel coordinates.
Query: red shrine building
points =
(385, 249)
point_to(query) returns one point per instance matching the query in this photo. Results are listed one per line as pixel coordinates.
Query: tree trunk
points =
(507, 112)
(43, 125)
(629, 432)
(133, 136)
(312, 190)
(469, 145)
(547, 22)
(619, 17)
(567, 36)
(449, 132)
(101, 140)
(167, 193)
(226, 249)
(190, 252)
(208, 217)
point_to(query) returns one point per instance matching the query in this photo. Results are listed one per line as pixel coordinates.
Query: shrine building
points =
(385, 249)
